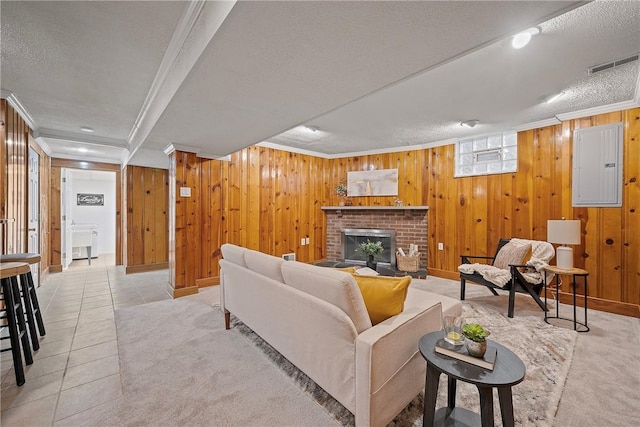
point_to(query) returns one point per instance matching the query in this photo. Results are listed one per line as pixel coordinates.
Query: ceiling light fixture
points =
(520, 40)
(312, 128)
(552, 97)
(470, 123)
(87, 129)
(82, 150)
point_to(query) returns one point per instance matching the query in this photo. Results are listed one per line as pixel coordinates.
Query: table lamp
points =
(564, 232)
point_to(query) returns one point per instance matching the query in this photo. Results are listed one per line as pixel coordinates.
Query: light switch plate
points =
(185, 191)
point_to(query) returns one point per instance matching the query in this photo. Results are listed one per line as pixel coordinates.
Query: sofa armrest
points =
(390, 372)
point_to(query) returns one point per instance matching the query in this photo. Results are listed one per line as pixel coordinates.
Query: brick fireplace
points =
(409, 222)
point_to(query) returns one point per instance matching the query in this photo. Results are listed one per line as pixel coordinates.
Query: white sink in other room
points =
(83, 236)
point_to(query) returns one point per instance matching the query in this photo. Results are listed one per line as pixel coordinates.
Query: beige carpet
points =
(190, 371)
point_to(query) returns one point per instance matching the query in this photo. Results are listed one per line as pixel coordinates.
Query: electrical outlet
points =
(302, 242)
(306, 241)
(440, 246)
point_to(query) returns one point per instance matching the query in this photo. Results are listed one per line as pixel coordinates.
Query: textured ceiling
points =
(370, 75)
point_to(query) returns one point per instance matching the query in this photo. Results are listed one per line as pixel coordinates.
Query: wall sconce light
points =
(564, 232)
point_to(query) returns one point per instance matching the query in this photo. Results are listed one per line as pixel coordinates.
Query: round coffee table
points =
(507, 372)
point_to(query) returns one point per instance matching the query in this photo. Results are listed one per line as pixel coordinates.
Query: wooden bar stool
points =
(14, 316)
(31, 305)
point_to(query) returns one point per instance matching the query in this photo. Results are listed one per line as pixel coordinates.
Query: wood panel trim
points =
(208, 281)
(55, 269)
(130, 269)
(182, 292)
(444, 274)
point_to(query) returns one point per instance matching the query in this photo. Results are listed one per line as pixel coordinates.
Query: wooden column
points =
(184, 224)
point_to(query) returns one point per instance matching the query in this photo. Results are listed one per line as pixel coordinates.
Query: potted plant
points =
(371, 249)
(475, 339)
(341, 190)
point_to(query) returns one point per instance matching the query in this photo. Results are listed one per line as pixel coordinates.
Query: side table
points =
(507, 372)
(574, 272)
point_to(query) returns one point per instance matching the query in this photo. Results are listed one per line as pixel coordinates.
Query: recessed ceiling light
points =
(82, 150)
(520, 40)
(552, 97)
(312, 128)
(470, 123)
(86, 129)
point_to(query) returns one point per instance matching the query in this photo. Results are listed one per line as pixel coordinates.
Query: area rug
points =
(546, 351)
(179, 366)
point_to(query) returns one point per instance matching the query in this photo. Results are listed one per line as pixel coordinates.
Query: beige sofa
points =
(316, 318)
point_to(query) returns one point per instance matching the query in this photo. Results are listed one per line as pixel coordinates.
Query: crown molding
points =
(181, 147)
(610, 108)
(200, 21)
(43, 144)
(539, 124)
(17, 105)
(80, 137)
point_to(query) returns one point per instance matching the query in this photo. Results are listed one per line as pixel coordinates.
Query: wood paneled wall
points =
(146, 198)
(469, 215)
(14, 155)
(268, 200)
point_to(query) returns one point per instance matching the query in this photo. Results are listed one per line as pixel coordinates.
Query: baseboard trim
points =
(615, 307)
(182, 292)
(451, 275)
(129, 269)
(208, 281)
(55, 269)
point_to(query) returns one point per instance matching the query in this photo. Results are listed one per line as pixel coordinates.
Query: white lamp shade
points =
(564, 232)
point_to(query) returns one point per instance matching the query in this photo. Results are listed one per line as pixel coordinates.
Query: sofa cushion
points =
(383, 296)
(419, 297)
(512, 253)
(267, 265)
(335, 287)
(234, 254)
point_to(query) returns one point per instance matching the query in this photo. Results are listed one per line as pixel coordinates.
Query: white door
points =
(65, 208)
(33, 244)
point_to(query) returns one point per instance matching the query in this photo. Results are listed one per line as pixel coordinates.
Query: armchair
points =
(509, 270)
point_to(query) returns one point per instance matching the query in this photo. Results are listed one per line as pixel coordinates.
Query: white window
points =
(487, 155)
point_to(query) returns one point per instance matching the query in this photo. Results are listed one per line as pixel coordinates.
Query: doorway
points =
(33, 243)
(88, 216)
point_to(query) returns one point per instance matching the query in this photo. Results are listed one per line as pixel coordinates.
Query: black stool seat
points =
(31, 305)
(14, 316)
(29, 258)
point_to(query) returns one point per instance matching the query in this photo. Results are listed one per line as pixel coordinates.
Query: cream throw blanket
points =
(541, 254)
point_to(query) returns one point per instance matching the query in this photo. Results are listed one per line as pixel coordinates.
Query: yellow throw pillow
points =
(347, 269)
(383, 296)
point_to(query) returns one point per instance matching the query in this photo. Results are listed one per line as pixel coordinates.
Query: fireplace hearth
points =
(408, 222)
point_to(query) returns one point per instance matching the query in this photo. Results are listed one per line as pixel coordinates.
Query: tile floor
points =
(77, 366)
